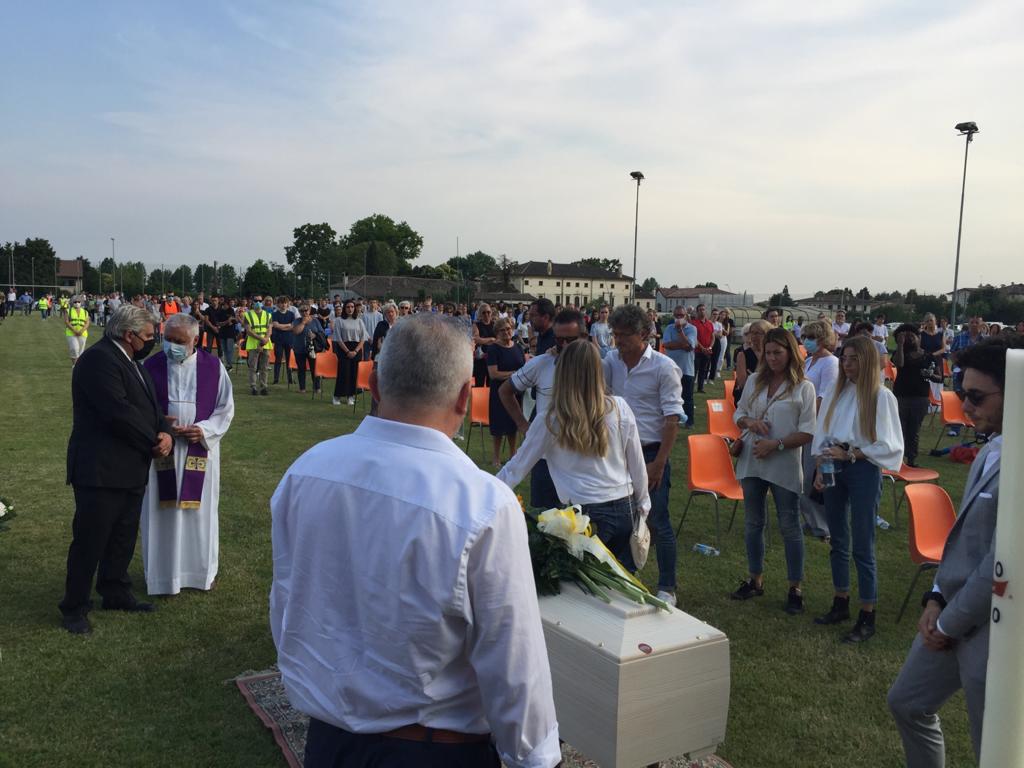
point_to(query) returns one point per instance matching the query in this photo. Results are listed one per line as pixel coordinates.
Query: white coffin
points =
(634, 684)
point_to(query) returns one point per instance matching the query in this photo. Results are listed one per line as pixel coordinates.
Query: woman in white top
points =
(858, 428)
(776, 414)
(592, 448)
(348, 337)
(821, 369)
(601, 332)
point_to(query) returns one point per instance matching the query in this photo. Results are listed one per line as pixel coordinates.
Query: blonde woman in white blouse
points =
(592, 447)
(859, 429)
(776, 414)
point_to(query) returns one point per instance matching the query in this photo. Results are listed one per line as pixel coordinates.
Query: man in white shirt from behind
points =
(403, 605)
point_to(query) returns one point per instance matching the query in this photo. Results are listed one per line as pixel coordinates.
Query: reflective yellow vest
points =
(43, 303)
(77, 319)
(259, 323)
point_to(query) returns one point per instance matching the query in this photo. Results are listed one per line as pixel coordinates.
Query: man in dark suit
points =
(118, 430)
(951, 648)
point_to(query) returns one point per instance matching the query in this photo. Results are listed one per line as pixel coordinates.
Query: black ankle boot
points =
(840, 611)
(863, 630)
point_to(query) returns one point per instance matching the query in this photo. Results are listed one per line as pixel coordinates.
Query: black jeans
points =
(103, 535)
(302, 359)
(912, 412)
(348, 370)
(688, 399)
(330, 747)
(281, 352)
(703, 362)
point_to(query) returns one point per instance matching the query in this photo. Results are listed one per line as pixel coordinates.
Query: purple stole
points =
(207, 384)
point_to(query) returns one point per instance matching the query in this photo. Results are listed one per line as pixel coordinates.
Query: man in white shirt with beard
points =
(403, 605)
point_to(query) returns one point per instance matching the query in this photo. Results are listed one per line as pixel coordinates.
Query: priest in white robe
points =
(180, 531)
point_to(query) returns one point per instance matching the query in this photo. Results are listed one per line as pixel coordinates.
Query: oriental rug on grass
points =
(265, 694)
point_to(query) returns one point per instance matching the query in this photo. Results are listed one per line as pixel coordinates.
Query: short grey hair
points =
(389, 305)
(425, 361)
(128, 317)
(630, 318)
(181, 320)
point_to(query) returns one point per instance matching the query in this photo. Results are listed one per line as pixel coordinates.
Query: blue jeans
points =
(660, 524)
(851, 507)
(612, 521)
(755, 510)
(226, 348)
(688, 399)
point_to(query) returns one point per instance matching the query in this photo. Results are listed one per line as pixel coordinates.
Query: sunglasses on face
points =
(974, 397)
(563, 340)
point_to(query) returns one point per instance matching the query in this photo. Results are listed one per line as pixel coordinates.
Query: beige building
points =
(569, 284)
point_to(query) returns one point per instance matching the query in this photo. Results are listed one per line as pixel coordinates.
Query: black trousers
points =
(348, 372)
(912, 411)
(703, 362)
(330, 747)
(281, 352)
(104, 530)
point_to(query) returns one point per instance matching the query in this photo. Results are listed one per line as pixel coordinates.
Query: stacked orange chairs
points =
(932, 516)
(906, 475)
(326, 368)
(711, 474)
(730, 387)
(363, 379)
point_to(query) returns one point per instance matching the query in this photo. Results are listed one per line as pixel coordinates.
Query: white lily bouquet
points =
(6, 512)
(564, 547)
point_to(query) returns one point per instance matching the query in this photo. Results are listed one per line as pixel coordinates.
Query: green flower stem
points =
(593, 587)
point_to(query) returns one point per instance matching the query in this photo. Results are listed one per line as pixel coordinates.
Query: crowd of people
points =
(597, 400)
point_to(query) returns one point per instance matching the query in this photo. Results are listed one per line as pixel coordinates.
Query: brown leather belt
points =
(435, 735)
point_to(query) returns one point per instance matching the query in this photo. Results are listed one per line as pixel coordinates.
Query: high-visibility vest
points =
(77, 319)
(43, 303)
(258, 321)
(170, 308)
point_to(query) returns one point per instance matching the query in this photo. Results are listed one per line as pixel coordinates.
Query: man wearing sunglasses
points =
(539, 373)
(951, 647)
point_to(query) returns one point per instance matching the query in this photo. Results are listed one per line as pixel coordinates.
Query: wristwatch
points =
(782, 445)
(936, 596)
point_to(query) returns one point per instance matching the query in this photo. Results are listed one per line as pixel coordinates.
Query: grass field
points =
(156, 690)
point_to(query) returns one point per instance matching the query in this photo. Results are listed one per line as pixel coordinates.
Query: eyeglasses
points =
(563, 340)
(974, 397)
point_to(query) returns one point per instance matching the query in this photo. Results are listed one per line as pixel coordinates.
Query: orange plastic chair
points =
(730, 387)
(890, 370)
(932, 516)
(952, 414)
(720, 419)
(479, 413)
(326, 368)
(947, 369)
(934, 404)
(711, 473)
(363, 379)
(906, 475)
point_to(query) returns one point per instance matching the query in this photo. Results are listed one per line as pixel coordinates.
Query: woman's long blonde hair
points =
(867, 385)
(578, 403)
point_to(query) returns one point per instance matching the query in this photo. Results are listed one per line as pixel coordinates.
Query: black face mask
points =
(147, 347)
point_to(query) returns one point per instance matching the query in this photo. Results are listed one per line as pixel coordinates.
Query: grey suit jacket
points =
(965, 574)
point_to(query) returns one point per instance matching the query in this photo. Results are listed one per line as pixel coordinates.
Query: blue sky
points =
(806, 144)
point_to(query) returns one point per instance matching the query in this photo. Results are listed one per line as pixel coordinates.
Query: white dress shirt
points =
(403, 593)
(581, 479)
(538, 373)
(653, 389)
(887, 449)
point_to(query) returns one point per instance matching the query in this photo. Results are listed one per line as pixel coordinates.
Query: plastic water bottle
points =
(828, 466)
(705, 549)
(882, 523)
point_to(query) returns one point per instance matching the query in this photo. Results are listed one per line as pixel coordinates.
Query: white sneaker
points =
(668, 597)
(351, 401)
(335, 401)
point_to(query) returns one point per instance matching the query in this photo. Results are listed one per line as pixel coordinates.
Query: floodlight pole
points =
(969, 133)
(636, 231)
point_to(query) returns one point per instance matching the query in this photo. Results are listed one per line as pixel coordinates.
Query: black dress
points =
(506, 359)
(486, 331)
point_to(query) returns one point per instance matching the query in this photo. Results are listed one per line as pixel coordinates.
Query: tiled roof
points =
(692, 293)
(540, 269)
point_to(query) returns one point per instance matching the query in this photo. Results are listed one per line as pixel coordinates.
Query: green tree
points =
(259, 278)
(781, 299)
(180, 280)
(608, 265)
(651, 284)
(403, 244)
(864, 294)
(473, 266)
(158, 281)
(202, 279)
(227, 280)
(708, 284)
(312, 250)
(132, 278)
